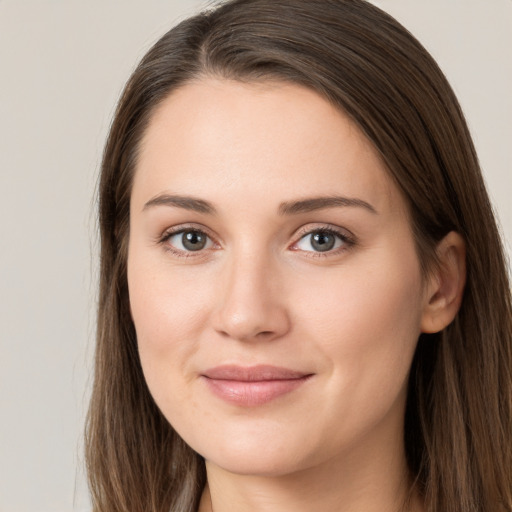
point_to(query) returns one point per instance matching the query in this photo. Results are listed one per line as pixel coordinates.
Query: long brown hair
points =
(458, 422)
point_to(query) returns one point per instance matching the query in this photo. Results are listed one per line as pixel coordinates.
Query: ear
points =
(445, 285)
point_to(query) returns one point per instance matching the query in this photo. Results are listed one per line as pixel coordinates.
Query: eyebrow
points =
(185, 202)
(286, 208)
(319, 203)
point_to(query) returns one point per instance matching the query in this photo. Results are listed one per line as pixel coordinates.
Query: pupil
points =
(322, 241)
(193, 241)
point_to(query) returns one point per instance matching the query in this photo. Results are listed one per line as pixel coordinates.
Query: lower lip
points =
(253, 393)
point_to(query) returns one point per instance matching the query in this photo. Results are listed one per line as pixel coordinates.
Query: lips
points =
(252, 386)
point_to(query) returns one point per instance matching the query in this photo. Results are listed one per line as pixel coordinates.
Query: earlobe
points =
(445, 285)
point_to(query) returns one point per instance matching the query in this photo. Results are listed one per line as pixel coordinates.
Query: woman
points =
(304, 302)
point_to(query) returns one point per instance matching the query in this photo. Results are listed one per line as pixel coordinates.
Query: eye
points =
(322, 240)
(188, 240)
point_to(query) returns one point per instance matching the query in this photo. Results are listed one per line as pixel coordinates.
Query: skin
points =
(260, 293)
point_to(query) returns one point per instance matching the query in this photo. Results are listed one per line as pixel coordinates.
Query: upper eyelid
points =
(337, 230)
(174, 230)
(303, 230)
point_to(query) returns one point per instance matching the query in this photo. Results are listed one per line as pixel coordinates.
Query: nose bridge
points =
(251, 305)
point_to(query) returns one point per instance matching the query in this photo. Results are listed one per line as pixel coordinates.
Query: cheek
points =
(366, 325)
(169, 311)
(351, 302)
(166, 306)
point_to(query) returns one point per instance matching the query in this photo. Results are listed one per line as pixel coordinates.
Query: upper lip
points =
(260, 373)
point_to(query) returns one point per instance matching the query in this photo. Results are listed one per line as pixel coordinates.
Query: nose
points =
(252, 305)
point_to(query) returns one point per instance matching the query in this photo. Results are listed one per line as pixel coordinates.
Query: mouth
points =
(253, 386)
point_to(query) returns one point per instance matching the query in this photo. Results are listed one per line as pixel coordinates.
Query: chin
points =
(260, 464)
(258, 456)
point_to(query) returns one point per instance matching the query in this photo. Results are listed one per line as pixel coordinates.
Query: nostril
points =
(261, 335)
(264, 334)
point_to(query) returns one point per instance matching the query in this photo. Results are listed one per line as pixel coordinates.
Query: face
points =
(273, 278)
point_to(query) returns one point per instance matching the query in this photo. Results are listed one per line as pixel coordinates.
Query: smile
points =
(252, 386)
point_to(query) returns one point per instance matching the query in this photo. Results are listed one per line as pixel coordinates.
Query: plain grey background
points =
(62, 66)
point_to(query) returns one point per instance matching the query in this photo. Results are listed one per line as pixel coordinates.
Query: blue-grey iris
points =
(322, 241)
(193, 240)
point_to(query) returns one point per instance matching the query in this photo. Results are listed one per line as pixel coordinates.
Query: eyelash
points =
(348, 241)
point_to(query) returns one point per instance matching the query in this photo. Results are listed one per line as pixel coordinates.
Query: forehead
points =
(257, 141)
